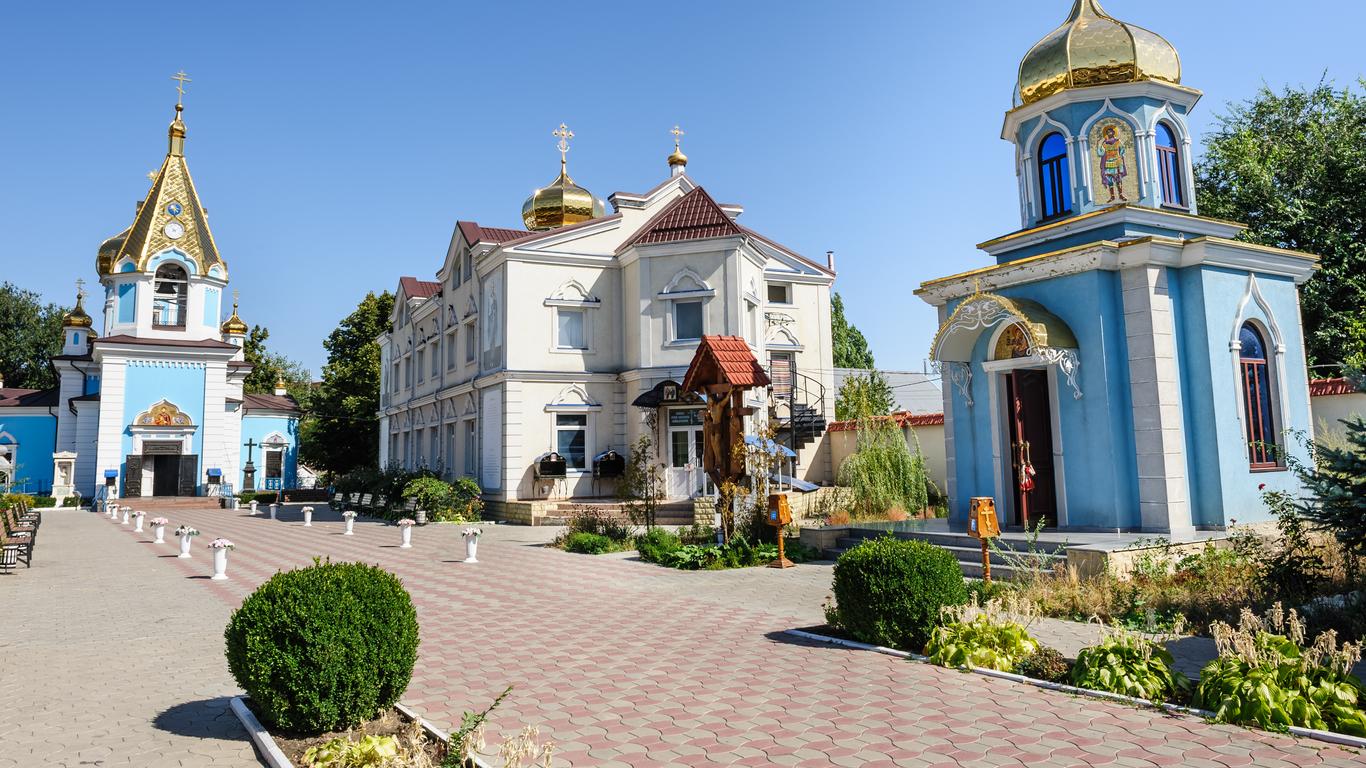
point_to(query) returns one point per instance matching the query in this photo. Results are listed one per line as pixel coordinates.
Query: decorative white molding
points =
(573, 398)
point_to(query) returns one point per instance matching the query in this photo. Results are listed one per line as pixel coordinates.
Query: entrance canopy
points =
(958, 335)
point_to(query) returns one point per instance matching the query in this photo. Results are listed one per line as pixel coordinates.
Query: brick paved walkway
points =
(622, 663)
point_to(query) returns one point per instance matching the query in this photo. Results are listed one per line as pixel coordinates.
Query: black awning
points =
(667, 392)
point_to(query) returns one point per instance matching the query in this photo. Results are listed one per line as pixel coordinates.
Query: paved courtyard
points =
(113, 656)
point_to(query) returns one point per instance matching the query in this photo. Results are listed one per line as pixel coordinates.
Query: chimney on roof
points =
(830, 260)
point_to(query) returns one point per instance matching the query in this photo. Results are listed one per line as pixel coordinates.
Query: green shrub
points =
(980, 642)
(656, 544)
(890, 591)
(260, 497)
(1045, 664)
(43, 502)
(324, 648)
(588, 518)
(586, 543)
(1131, 665)
(433, 495)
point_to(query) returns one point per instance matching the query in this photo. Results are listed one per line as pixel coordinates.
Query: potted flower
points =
(126, 511)
(350, 517)
(471, 543)
(253, 504)
(159, 529)
(405, 529)
(185, 533)
(220, 547)
(137, 521)
(308, 517)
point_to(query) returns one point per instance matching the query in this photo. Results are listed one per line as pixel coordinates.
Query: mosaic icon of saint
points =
(1113, 164)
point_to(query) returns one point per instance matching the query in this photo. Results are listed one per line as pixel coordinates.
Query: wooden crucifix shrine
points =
(722, 369)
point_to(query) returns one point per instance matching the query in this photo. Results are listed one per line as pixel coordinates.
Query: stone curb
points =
(276, 758)
(1308, 733)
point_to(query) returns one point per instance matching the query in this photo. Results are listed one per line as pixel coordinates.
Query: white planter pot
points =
(252, 504)
(160, 532)
(350, 524)
(471, 548)
(185, 542)
(220, 564)
(308, 518)
(273, 509)
(405, 533)
(137, 522)
(126, 512)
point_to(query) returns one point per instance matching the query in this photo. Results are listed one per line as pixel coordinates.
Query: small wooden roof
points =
(724, 360)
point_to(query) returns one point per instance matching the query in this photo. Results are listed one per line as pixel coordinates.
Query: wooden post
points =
(986, 562)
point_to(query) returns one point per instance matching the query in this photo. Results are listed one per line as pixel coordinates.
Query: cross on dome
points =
(181, 79)
(565, 135)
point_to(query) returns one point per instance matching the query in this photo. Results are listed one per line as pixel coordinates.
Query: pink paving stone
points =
(606, 652)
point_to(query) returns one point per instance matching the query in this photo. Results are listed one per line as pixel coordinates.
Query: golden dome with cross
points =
(562, 201)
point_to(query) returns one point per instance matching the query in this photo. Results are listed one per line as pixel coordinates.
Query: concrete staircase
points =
(968, 551)
(668, 513)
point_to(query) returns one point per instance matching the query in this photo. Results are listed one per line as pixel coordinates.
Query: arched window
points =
(169, 295)
(1055, 180)
(1262, 443)
(1169, 167)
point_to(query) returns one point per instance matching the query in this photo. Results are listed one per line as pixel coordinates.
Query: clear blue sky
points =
(336, 144)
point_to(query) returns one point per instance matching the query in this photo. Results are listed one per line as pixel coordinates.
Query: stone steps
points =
(966, 550)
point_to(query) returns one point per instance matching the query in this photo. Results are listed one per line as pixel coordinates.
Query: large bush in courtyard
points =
(890, 591)
(324, 648)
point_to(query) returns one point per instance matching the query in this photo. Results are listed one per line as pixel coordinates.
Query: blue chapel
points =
(1125, 364)
(152, 403)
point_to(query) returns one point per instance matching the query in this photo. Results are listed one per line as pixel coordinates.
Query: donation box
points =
(982, 521)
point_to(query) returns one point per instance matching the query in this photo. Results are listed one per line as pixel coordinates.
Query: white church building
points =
(566, 340)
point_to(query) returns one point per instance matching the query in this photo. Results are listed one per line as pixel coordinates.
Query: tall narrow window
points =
(1263, 447)
(1055, 179)
(569, 329)
(471, 445)
(169, 295)
(687, 320)
(1169, 167)
(571, 439)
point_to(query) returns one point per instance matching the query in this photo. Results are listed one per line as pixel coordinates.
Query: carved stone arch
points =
(571, 290)
(190, 263)
(686, 280)
(781, 336)
(1252, 293)
(1108, 109)
(163, 414)
(574, 395)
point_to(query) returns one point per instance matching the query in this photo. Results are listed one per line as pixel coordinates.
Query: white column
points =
(109, 442)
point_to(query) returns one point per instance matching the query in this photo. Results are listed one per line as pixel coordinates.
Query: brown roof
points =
(418, 289)
(474, 233)
(902, 418)
(728, 360)
(203, 343)
(270, 402)
(14, 397)
(694, 216)
(1338, 386)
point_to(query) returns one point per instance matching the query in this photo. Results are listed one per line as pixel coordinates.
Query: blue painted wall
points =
(128, 302)
(148, 383)
(257, 428)
(36, 434)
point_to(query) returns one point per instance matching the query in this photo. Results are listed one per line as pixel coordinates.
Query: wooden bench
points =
(17, 539)
(381, 505)
(353, 501)
(364, 502)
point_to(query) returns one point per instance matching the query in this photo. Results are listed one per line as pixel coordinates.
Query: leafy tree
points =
(342, 432)
(268, 367)
(31, 335)
(1292, 165)
(851, 348)
(1336, 482)
(882, 472)
(864, 395)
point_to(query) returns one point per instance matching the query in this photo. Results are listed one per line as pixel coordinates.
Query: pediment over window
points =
(687, 283)
(163, 414)
(573, 398)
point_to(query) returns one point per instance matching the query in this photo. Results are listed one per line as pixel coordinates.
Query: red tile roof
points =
(270, 402)
(730, 358)
(473, 233)
(15, 397)
(204, 343)
(903, 419)
(694, 216)
(418, 289)
(1338, 386)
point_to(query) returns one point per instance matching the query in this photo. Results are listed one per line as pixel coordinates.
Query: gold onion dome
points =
(562, 201)
(234, 325)
(678, 158)
(77, 318)
(1094, 48)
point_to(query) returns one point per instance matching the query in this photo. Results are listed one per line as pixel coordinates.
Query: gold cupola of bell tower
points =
(562, 201)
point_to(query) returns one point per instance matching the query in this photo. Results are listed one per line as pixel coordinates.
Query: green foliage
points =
(32, 336)
(390, 483)
(468, 499)
(341, 752)
(268, 367)
(1045, 664)
(656, 544)
(342, 430)
(463, 741)
(882, 473)
(980, 642)
(260, 497)
(890, 591)
(1292, 165)
(1336, 486)
(1131, 665)
(586, 543)
(325, 647)
(642, 485)
(851, 348)
(432, 494)
(589, 518)
(864, 395)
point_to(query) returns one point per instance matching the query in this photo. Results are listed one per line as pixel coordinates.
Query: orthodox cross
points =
(678, 133)
(180, 86)
(250, 443)
(151, 175)
(80, 288)
(565, 135)
(235, 294)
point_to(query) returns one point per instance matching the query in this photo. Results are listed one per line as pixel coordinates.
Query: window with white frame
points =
(436, 358)
(469, 265)
(687, 294)
(687, 320)
(448, 466)
(571, 439)
(451, 338)
(471, 341)
(407, 371)
(471, 446)
(421, 369)
(569, 328)
(779, 293)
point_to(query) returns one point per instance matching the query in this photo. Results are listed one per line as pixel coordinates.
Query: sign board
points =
(982, 522)
(779, 512)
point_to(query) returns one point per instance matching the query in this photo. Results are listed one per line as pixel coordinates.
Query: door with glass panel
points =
(685, 476)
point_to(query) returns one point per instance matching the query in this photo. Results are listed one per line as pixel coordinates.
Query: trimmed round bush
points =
(889, 591)
(586, 543)
(324, 648)
(656, 544)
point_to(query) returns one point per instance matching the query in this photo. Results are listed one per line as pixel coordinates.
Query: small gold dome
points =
(561, 202)
(1094, 48)
(234, 325)
(109, 252)
(678, 158)
(77, 318)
